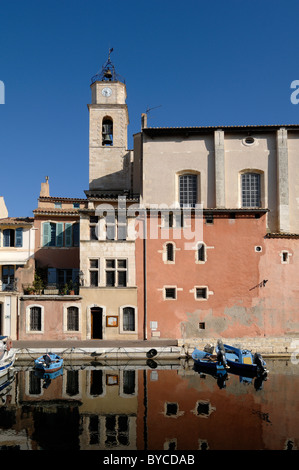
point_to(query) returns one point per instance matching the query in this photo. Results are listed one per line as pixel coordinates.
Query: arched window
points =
(169, 252)
(251, 189)
(201, 252)
(73, 319)
(188, 190)
(128, 319)
(107, 132)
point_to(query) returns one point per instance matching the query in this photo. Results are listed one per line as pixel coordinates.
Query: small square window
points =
(76, 205)
(202, 325)
(170, 293)
(209, 219)
(57, 205)
(172, 409)
(201, 293)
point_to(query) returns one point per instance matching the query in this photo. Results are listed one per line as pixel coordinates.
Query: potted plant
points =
(71, 288)
(38, 284)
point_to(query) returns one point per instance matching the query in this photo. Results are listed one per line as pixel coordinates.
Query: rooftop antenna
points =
(144, 116)
(149, 109)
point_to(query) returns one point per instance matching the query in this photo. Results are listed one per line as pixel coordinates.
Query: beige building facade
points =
(221, 159)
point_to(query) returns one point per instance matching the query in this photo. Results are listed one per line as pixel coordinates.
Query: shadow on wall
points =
(116, 181)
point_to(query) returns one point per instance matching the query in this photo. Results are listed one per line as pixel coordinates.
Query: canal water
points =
(158, 406)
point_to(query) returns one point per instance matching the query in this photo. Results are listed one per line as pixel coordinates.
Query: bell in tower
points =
(107, 132)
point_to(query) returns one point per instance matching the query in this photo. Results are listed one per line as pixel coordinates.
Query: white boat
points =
(7, 355)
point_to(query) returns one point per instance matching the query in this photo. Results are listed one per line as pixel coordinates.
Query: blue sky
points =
(200, 63)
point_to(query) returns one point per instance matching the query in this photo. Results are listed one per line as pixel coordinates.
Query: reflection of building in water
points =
(131, 407)
(109, 411)
(95, 408)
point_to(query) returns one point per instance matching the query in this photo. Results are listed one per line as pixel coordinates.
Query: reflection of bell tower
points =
(109, 159)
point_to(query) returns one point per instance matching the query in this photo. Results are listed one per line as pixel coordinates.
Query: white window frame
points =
(121, 318)
(201, 299)
(199, 261)
(65, 309)
(34, 332)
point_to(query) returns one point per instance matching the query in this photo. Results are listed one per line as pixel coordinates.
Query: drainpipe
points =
(144, 279)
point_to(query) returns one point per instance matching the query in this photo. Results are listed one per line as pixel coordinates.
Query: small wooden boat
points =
(209, 361)
(243, 362)
(7, 355)
(48, 363)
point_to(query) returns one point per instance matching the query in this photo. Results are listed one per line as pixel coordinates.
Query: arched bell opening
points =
(107, 132)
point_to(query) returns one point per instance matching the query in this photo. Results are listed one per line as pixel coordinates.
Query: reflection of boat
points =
(48, 376)
(209, 361)
(49, 362)
(243, 362)
(220, 375)
(7, 355)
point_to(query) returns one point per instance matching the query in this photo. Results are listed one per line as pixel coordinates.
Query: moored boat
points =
(209, 361)
(49, 362)
(7, 355)
(243, 362)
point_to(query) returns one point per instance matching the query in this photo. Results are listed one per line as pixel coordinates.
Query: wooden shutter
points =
(76, 234)
(59, 234)
(19, 237)
(52, 276)
(68, 234)
(46, 233)
(6, 237)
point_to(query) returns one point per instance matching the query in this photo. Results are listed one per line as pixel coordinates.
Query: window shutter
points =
(6, 237)
(76, 234)
(59, 234)
(46, 233)
(75, 276)
(52, 276)
(19, 237)
(68, 234)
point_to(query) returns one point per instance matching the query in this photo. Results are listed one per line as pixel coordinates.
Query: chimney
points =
(3, 209)
(143, 121)
(45, 189)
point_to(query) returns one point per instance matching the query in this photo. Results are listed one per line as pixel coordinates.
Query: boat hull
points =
(206, 361)
(241, 362)
(7, 365)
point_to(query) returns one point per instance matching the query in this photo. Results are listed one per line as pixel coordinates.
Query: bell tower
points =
(109, 158)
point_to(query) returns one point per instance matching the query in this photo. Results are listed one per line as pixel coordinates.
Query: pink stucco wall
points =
(240, 304)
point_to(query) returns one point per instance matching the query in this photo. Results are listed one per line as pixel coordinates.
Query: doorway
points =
(96, 314)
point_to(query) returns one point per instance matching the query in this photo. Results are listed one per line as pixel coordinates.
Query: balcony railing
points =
(52, 289)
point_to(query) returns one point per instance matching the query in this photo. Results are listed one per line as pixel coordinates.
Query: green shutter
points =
(19, 237)
(68, 234)
(46, 233)
(59, 234)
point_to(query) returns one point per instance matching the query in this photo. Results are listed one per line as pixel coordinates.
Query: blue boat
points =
(243, 362)
(206, 360)
(48, 363)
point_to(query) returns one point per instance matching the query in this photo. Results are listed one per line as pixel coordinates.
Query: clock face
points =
(107, 92)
